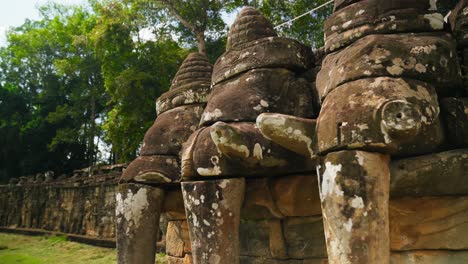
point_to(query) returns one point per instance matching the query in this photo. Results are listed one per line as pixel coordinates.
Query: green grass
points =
(21, 249)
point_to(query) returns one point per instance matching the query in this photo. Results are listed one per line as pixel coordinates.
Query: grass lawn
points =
(53, 250)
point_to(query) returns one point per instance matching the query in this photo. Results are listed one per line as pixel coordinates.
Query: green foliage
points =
(135, 73)
(48, 80)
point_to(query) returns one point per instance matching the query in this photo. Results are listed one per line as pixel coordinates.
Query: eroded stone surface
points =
(191, 85)
(177, 239)
(187, 259)
(380, 17)
(258, 73)
(354, 189)
(152, 169)
(455, 114)
(304, 237)
(297, 195)
(253, 44)
(213, 214)
(254, 238)
(249, 25)
(339, 4)
(173, 205)
(430, 256)
(258, 91)
(137, 209)
(429, 223)
(271, 52)
(409, 257)
(427, 57)
(382, 114)
(459, 23)
(258, 201)
(291, 132)
(159, 161)
(444, 173)
(262, 260)
(170, 130)
(237, 149)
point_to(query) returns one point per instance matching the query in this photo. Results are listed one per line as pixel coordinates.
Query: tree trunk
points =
(201, 42)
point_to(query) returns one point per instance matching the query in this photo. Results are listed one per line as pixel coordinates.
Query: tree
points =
(80, 70)
(57, 99)
(198, 16)
(135, 73)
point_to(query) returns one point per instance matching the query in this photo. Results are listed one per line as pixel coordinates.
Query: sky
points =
(14, 12)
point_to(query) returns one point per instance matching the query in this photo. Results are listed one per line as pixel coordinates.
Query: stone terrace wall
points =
(79, 205)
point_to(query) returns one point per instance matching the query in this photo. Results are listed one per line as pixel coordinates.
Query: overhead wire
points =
(289, 22)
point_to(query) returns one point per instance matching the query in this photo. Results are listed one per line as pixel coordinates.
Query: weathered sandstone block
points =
(339, 4)
(304, 237)
(293, 133)
(429, 57)
(191, 85)
(254, 237)
(258, 201)
(430, 257)
(152, 169)
(354, 190)
(253, 44)
(262, 260)
(382, 114)
(177, 239)
(173, 205)
(459, 23)
(429, 223)
(444, 173)
(213, 214)
(244, 97)
(187, 259)
(258, 73)
(369, 17)
(406, 257)
(170, 130)
(179, 112)
(297, 195)
(237, 149)
(249, 25)
(138, 208)
(271, 52)
(278, 247)
(455, 115)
